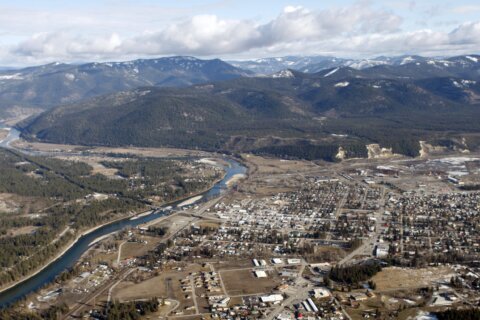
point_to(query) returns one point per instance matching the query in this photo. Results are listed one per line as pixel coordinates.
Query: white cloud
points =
(466, 33)
(354, 30)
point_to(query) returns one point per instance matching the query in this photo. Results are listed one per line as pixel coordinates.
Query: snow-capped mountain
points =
(59, 83)
(314, 64)
(267, 66)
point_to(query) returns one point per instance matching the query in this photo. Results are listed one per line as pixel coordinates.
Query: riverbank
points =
(235, 179)
(61, 253)
(88, 231)
(74, 250)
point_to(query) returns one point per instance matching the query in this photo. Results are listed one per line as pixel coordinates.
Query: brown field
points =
(244, 282)
(135, 249)
(233, 264)
(394, 278)
(208, 224)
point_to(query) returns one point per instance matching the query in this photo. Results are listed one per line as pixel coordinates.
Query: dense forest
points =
(354, 274)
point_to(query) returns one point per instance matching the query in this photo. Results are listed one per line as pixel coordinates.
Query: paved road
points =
(296, 293)
(368, 245)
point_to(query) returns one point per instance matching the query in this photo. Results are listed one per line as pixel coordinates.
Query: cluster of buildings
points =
(445, 225)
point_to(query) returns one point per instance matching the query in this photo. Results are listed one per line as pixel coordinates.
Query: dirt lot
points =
(244, 282)
(394, 278)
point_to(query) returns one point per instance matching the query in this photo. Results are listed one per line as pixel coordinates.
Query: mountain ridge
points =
(46, 86)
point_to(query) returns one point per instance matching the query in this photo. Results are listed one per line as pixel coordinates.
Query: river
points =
(71, 256)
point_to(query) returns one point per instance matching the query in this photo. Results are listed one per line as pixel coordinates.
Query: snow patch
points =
(456, 84)
(468, 82)
(331, 72)
(342, 84)
(69, 76)
(283, 74)
(474, 59)
(407, 60)
(16, 76)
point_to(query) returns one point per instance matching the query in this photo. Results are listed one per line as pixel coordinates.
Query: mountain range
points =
(288, 113)
(313, 64)
(35, 89)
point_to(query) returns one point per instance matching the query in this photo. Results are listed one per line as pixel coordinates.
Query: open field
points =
(272, 165)
(233, 264)
(394, 278)
(135, 249)
(244, 282)
(145, 152)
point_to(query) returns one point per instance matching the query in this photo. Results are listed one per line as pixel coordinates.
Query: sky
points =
(35, 32)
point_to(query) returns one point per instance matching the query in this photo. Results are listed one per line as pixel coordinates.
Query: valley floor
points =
(279, 236)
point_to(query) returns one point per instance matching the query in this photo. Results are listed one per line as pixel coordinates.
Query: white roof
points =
(260, 274)
(293, 261)
(272, 298)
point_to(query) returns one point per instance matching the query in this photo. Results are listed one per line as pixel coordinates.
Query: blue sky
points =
(34, 32)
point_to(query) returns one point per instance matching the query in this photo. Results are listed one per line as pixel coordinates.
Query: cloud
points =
(359, 29)
(466, 33)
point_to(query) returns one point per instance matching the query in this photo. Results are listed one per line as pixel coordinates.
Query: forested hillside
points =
(292, 115)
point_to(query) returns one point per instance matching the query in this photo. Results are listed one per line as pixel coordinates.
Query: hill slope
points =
(318, 112)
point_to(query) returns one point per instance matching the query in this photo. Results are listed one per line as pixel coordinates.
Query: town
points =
(294, 239)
